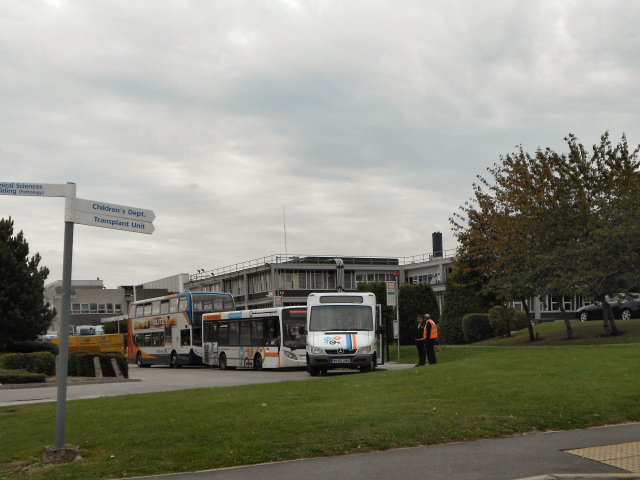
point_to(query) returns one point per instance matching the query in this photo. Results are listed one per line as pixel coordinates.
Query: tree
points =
(552, 224)
(462, 296)
(415, 300)
(23, 312)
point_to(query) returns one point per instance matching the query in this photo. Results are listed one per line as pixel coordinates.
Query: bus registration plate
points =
(340, 360)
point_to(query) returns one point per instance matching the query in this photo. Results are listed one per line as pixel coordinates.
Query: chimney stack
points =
(436, 239)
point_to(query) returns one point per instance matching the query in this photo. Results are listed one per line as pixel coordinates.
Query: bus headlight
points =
(316, 351)
(291, 355)
(364, 350)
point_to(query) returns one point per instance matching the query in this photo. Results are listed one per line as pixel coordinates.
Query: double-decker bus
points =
(168, 330)
(262, 338)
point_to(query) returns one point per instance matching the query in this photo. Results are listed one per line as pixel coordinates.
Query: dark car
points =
(622, 308)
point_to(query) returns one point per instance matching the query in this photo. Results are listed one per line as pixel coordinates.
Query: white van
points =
(341, 332)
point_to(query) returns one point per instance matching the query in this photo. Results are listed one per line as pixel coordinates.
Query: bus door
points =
(210, 343)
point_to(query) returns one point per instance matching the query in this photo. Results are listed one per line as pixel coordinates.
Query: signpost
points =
(85, 212)
(396, 322)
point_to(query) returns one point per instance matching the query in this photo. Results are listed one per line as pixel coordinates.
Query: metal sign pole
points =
(398, 316)
(63, 354)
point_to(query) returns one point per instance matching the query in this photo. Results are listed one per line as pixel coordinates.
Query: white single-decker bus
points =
(341, 332)
(261, 338)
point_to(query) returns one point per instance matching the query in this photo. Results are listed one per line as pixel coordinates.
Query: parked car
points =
(622, 308)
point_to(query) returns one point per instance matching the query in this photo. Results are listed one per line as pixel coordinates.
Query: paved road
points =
(159, 379)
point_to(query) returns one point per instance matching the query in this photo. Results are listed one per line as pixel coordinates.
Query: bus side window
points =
(245, 333)
(257, 332)
(223, 333)
(164, 307)
(184, 301)
(234, 333)
(273, 332)
(185, 337)
(173, 305)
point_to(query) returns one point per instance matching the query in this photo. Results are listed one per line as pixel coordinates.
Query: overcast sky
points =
(363, 123)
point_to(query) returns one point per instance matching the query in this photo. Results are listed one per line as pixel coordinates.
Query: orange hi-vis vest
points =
(434, 329)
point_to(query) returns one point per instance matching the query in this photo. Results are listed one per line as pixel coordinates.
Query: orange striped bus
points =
(262, 338)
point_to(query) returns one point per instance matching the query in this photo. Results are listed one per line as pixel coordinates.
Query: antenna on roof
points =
(284, 216)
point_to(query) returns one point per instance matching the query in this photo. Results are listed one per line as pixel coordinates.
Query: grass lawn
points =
(471, 393)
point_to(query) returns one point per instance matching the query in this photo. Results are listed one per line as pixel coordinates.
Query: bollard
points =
(114, 364)
(98, 368)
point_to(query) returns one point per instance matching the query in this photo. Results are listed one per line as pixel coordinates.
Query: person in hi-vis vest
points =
(431, 333)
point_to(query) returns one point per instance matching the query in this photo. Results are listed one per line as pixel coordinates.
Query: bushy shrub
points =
(476, 327)
(81, 364)
(521, 321)
(21, 376)
(450, 331)
(39, 362)
(31, 346)
(84, 364)
(72, 369)
(501, 320)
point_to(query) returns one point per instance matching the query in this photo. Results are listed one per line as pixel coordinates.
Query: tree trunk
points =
(605, 317)
(567, 322)
(532, 337)
(612, 321)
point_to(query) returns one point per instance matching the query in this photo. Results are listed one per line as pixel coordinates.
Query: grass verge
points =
(471, 393)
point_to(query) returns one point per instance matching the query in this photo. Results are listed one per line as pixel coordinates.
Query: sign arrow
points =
(120, 211)
(116, 223)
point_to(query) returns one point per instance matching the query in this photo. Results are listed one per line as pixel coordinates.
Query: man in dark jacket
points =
(420, 341)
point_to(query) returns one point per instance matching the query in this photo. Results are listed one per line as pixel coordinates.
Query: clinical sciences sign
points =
(33, 189)
(85, 212)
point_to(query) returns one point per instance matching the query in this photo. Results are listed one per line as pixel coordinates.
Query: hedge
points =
(81, 364)
(476, 327)
(39, 362)
(31, 346)
(21, 376)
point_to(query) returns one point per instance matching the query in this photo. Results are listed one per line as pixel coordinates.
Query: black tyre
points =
(584, 316)
(173, 363)
(139, 360)
(625, 314)
(257, 362)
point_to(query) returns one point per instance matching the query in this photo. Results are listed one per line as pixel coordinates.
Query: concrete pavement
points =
(540, 456)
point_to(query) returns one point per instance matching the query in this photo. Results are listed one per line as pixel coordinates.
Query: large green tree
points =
(551, 224)
(23, 312)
